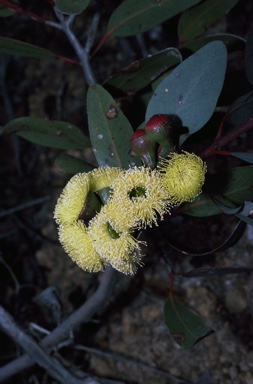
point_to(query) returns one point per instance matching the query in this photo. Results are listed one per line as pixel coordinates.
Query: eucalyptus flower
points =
(103, 177)
(183, 176)
(72, 199)
(139, 197)
(77, 242)
(118, 248)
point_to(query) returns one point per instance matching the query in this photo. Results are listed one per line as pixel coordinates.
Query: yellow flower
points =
(120, 249)
(102, 177)
(139, 198)
(77, 242)
(72, 200)
(183, 176)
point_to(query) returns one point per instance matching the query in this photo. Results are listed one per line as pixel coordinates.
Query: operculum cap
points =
(159, 130)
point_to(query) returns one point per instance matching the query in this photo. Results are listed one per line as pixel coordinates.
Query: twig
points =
(51, 365)
(82, 315)
(221, 141)
(174, 379)
(80, 51)
(92, 32)
(26, 205)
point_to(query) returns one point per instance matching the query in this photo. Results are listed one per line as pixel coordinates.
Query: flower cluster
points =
(100, 212)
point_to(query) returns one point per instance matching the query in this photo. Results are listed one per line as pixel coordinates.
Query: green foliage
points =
(110, 131)
(71, 164)
(72, 6)
(190, 93)
(133, 17)
(15, 47)
(196, 20)
(185, 327)
(142, 72)
(55, 134)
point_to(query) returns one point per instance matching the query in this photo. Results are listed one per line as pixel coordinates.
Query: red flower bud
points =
(158, 129)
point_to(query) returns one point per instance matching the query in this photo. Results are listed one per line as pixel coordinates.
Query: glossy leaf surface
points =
(110, 131)
(15, 47)
(72, 6)
(142, 72)
(231, 188)
(190, 93)
(185, 327)
(132, 17)
(71, 164)
(196, 20)
(55, 134)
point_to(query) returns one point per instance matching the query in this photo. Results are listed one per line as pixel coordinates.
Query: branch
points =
(221, 141)
(51, 365)
(80, 51)
(82, 315)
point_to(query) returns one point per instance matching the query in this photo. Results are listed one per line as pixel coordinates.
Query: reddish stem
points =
(214, 148)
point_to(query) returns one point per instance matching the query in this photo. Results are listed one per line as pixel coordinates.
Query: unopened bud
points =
(159, 130)
(144, 148)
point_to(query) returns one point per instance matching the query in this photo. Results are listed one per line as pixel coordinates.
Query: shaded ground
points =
(39, 283)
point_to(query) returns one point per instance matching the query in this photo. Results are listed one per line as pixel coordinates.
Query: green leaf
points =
(72, 6)
(55, 134)
(132, 17)
(191, 91)
(142, 72)
(231, 188)
(249, 57)
(110, 131)
(243, 156)
(15, 47)
(185, 327)
(71, 164)
(196, 20)
(241, 110)
(232, 42)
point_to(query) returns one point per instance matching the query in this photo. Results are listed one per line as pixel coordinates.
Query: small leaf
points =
(132, 17)
(249, 57)
(55, 134)
(232, 188)
(71, 164)
(110, 131)
(15, 47)
(243, 156)
(72, 6)
(191, 91)
(196, 20)
(232, 42)
(241, 110)
(142, 72)
(185, 327)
